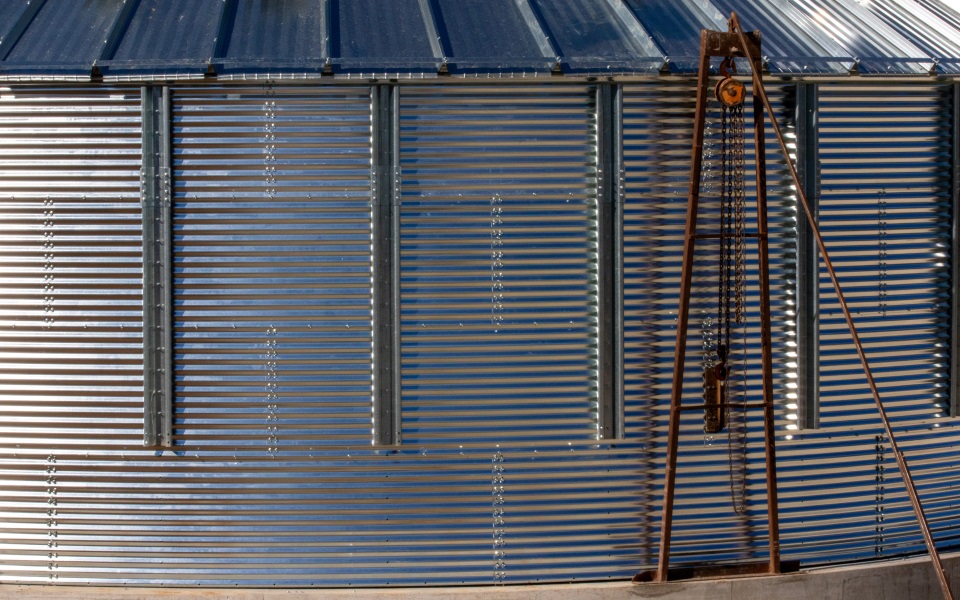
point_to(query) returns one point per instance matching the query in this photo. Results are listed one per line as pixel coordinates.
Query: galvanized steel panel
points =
(491, 34)
(71, 344)
(273, 479)
(362, 38)
(884, 212)
(675, 27)
(935, 36)
(879, 49)
(372, 35)
(9, 13)
(168, 37)
(498, 264)
(945, 10)
(272, 290)
(222, 508)
(794, 40)
(277, 34)
(613, 42)
(48, 46)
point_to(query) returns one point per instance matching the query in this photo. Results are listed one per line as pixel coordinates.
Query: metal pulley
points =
(729, 91)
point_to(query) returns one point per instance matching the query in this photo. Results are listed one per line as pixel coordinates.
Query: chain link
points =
(723, 302)
(739, 211)
(733, 266)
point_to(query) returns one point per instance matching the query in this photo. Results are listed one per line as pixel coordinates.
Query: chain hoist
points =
(726, 409)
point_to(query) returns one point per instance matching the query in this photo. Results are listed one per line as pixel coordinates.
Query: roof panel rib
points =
(949, 14)
(879, 49)
(168, 38)
(163, 39)
(926, 29)
(47, 47)
(491, 35)
(676, 26)
(793, 42)
(289, 35)
(594, 36)
(10, 12)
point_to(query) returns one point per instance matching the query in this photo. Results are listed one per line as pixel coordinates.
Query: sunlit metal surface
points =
(885, 163)
(658, 127)
(500, 477)
(181, 39)
(794, 41)
(931, 29)
(271, 271)
(879, 48)
(498, 264)
(71, 344)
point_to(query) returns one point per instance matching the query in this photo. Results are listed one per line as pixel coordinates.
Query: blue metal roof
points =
(134, 39)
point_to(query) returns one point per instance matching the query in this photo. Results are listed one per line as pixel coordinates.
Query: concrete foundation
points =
(911, 579)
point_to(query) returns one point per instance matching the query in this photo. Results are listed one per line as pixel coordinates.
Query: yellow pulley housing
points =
(730, 92)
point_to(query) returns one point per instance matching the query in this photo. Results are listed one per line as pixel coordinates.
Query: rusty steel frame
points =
(725, 44)
(737, 42)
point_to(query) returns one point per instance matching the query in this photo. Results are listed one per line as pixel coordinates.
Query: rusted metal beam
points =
(718, 571)
(766, 352)
(715, 43)
(683, 314)
(722, 405)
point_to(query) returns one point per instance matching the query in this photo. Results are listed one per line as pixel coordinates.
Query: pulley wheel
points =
(730, 92)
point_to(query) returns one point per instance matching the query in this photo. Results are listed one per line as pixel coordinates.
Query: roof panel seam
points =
(19, 27)
(638, 34)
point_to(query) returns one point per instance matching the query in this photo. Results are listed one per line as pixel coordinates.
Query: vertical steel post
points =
(609, 262)
(766, 350)
(683, 312)
(386, 259)
(155, 187)
(808, 262)
(955, 259)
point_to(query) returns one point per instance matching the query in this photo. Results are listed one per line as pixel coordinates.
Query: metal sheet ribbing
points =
(71, 344)
(884, 214)
(272, 266)
(273, 479)
(498, 264)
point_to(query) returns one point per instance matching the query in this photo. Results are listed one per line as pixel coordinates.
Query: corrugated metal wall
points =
(272, 286)
(884, 211)
(498, 259)
(500, 477)
(71, 343)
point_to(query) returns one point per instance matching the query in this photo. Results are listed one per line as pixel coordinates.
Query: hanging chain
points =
(723, 301)
(739, 259)
(736, 403)
(731, 305)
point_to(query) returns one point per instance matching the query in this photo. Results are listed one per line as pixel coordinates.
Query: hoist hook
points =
(730, 91)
